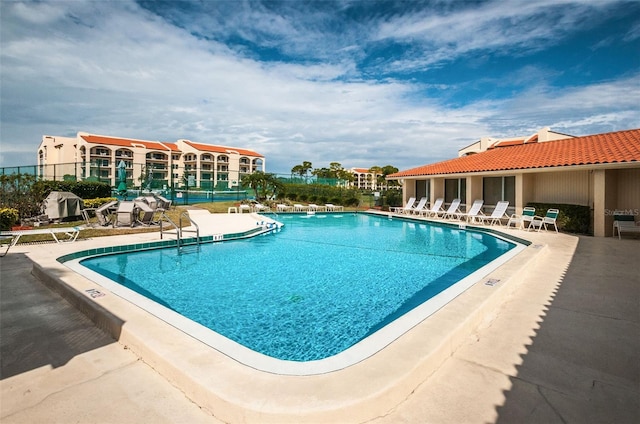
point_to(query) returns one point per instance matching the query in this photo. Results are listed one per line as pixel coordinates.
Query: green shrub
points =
(393, 198)
(94, 203)
(83, 189)
(572, 218)
(352, 201)
(8, 218)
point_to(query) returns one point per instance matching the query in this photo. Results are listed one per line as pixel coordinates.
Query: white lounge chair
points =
(499, 213)
(330, 207)
(259, 207)
(71, 233)
(475, 212)
(550, 218)
(435, 209)
(281, 207)
(313, 207)
(402, 209)
(419, 208)
(453, 211)
(299, 207)
(625, 224)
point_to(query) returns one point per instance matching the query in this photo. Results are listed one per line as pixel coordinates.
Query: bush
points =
(8, 218)
(320, 193)
(17, 193)
(572, 218)
(393, 198)
(83, 189)
(25, 194)
(352, 201)
(94, 203)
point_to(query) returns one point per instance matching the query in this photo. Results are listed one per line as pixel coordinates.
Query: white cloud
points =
(113, 68)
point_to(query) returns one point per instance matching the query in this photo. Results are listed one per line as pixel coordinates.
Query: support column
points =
(474, 190)
(600, 204)
(436, 188)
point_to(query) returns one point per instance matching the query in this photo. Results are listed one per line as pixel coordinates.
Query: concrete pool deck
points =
(559, 344)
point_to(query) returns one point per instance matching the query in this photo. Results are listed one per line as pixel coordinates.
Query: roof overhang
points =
(587, 167)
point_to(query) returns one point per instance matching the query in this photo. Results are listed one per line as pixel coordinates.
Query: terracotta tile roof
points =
(124, 142)
(222, 149)
(506, 143)
(361, 170)
(614, 147)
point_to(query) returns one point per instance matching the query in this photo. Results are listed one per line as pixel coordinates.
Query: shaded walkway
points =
(56, 366)
(583, 365)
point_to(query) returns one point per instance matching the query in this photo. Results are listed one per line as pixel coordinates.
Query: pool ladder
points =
(180, 230)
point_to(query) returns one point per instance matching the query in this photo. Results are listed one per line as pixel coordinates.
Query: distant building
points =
(601, 171)
(96, 157)
(363, 179)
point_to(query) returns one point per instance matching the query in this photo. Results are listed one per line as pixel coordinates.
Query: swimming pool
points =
(324, 288)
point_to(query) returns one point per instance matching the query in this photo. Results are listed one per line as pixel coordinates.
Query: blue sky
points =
(362, 83)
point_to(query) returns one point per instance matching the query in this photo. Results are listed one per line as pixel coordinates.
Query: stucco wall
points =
(568, 187)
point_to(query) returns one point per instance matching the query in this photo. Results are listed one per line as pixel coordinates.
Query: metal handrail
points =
(165, 217)
(197, 230)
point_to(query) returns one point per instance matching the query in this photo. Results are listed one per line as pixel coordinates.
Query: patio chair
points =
(163, 202)
(281, 207)
(313, 207)
(435, 209)
(259, 207)
(147, 213)
(402, 209)
(125, 214)
(498, 213)
(522, 221)
(104, 213)
(453, 211)
(549, 219)
(624, 224)
(331, 207)
(299, 207)
(475, 212)
(419, 208)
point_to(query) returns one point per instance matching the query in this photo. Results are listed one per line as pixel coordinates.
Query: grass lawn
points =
(97, 231)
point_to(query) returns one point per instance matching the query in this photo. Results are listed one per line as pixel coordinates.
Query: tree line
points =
(335, 170)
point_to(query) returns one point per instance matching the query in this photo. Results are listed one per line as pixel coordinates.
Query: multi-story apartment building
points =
(147, 163)
(363, 179)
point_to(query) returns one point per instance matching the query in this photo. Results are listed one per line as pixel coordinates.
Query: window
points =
(495, 189)
(422, 188)
(455, 189)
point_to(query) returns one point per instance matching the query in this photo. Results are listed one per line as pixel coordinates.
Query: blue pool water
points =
(311, 290)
